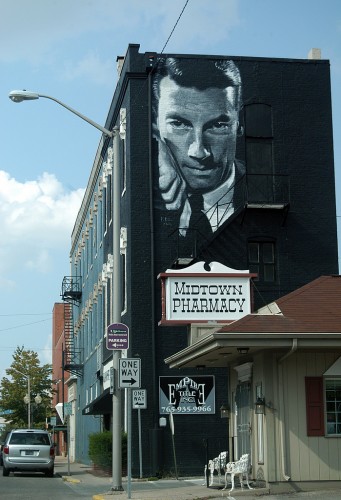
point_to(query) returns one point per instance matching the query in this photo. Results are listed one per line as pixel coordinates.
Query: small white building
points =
(283, 367)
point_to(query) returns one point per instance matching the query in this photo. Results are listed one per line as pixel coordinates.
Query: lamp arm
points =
(85, 118)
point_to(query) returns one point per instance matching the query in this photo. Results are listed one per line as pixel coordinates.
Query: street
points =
(37, 486)
(81, 483)
(30, 486)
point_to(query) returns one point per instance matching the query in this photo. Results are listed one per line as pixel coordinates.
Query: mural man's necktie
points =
(198, 220)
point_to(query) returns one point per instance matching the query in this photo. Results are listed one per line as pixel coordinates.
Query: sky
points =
(68, 50)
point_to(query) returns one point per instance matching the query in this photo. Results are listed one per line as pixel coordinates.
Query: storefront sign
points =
(187, 395)
(196, 294)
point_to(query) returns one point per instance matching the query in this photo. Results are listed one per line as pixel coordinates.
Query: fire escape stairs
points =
(270, 192)
(71, 295)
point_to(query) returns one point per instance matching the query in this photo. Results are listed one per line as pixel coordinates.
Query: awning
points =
(99, 406)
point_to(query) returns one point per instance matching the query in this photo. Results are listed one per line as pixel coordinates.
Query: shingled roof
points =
(314, 308)
(311, 316)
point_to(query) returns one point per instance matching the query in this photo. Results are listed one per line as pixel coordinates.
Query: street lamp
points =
(27, 400)
(25, 95)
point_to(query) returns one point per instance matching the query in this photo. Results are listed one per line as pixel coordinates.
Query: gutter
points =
(280, 391)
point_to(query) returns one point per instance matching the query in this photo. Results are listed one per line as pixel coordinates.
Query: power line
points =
(175, 25)
(25, 324)
(26, 314)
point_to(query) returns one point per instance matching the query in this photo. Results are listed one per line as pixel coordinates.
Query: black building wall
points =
(301, 225)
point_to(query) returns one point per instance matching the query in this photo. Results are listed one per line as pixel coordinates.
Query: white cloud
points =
(37, 218)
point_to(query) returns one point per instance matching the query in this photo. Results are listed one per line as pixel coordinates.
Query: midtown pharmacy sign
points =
(205, 293)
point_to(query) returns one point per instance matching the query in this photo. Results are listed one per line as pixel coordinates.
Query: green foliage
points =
(100, 449)
(14, 389)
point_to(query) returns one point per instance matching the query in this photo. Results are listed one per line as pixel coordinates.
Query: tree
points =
(13, 391)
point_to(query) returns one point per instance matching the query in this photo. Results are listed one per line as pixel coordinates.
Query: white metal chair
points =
(217, 464)
(239, 468)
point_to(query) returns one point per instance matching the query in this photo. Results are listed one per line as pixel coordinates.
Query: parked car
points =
(28, 450)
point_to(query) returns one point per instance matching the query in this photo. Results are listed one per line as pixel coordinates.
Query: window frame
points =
(326, 411)
(261, 263)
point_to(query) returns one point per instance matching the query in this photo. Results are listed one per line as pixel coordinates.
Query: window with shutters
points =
(333, 406)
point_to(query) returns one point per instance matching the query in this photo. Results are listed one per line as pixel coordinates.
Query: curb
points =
(69, 479)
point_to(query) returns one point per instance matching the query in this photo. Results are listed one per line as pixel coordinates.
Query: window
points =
(259, 154)
(333, 406)
(323, 403)
(261, 259)
(104, 210)
(109, 201)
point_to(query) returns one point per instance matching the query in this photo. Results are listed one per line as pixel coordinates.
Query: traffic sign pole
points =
(140, 402)
(140, 441)
(129, 442)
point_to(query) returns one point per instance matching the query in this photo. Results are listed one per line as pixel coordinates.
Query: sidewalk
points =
(82, 479)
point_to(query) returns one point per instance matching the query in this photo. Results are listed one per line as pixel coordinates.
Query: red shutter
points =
(314, 403)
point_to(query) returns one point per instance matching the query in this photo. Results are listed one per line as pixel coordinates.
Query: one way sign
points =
(139, 399)
(129, 373)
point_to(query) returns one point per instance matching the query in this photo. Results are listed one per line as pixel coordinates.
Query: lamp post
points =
(27, 400)
(25, 95)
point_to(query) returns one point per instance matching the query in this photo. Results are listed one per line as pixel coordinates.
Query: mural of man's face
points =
(200, 129)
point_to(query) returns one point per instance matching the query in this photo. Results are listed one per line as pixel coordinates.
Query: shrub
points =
(100, 449)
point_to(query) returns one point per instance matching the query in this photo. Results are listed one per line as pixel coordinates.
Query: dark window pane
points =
(268, 253)
(330, 406)
(258, 120)
(330, 395)
(269, 273)
(254, 252)
(258, 157)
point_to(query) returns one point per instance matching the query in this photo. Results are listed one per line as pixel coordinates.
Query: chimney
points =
(314, 54)
(119, 64)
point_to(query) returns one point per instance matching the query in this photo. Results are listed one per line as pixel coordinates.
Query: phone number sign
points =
(191, 395)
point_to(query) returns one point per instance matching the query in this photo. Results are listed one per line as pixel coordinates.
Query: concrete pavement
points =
(93, 485)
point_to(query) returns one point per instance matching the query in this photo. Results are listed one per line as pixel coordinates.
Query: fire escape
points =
(251, 192)
(71, 295)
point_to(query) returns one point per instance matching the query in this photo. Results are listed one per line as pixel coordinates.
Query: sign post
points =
(140, 402)
(117, 341)
(67, 414)
(129, 377)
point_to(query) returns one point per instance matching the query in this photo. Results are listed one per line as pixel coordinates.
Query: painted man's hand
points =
(171, 183)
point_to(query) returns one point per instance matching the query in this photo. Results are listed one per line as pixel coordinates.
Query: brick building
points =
(253, 138)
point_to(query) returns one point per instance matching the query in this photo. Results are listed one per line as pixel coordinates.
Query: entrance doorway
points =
(243, 414)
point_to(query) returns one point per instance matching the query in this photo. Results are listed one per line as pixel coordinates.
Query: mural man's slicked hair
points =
(198, 73)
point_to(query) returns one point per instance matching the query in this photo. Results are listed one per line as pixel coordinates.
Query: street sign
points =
(139, 399)
(117, 337)
(59, 408)
(129, 375)
(67, 409)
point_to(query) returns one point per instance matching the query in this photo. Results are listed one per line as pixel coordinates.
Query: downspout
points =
(155, 394)
(281, 398)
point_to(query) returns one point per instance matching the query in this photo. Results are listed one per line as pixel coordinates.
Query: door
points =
(243, 416)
